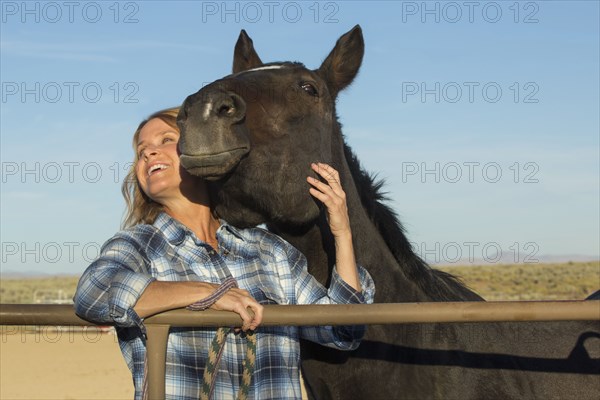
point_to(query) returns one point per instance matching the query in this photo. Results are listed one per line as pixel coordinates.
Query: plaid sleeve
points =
(342, 293)
(110, 287)
(310, 291)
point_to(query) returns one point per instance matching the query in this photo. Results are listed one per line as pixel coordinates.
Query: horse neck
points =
(400, 275)
(372, 252)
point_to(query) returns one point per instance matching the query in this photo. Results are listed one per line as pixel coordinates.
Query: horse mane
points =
(439, 285)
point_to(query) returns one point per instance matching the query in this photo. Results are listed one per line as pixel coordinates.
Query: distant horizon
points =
(547, 259)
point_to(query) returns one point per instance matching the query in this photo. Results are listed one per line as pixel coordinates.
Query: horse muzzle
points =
(214, 137)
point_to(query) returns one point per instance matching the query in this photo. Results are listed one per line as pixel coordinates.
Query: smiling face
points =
(157, 167)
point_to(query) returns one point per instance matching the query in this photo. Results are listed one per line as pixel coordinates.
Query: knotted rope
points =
(216, 348)
(218, 345)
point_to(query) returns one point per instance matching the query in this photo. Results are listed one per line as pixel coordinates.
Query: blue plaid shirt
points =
(271, 269)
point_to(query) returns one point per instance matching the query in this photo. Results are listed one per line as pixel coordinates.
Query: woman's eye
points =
(310, 89)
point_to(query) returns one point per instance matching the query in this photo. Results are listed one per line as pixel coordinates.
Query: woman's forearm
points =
(162, 296)
(333, 196)
(346, 261)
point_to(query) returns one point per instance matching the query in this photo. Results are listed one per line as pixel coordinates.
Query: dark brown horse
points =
(254, 133)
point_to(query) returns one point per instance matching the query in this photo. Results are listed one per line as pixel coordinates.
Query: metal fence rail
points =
(373, 314)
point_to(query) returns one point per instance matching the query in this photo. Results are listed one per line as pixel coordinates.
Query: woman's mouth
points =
(156, 167)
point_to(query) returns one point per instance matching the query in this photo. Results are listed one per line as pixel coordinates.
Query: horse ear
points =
(341, 65)
(244, 55)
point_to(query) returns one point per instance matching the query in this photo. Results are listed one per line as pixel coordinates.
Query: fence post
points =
(157, 356)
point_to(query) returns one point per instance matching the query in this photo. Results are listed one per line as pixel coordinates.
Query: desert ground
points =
(75, 363)
(62, 364)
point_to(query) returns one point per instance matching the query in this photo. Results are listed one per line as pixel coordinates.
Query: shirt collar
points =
(231, 229)
(175, 231)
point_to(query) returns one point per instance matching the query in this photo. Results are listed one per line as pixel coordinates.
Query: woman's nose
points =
(150, 151)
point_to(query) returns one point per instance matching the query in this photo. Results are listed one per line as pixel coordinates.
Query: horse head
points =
(276, 117)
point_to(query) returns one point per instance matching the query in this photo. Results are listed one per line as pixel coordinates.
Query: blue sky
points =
(482, 117)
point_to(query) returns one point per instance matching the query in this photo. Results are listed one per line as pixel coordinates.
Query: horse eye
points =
(310, 89)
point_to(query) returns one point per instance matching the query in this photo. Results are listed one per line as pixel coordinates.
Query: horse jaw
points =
(213, 167)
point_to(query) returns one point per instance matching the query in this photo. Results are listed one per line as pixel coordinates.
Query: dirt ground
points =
(70, 363)
(63, 364)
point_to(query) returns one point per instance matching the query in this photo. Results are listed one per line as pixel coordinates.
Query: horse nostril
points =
(226, 110)
(230, 106)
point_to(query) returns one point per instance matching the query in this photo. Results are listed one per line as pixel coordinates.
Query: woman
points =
(175, 251)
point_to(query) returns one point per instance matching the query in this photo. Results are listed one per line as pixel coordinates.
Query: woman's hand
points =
(333, 196)
(238, 301)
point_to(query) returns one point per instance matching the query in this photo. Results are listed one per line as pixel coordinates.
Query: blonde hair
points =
(141, 209)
